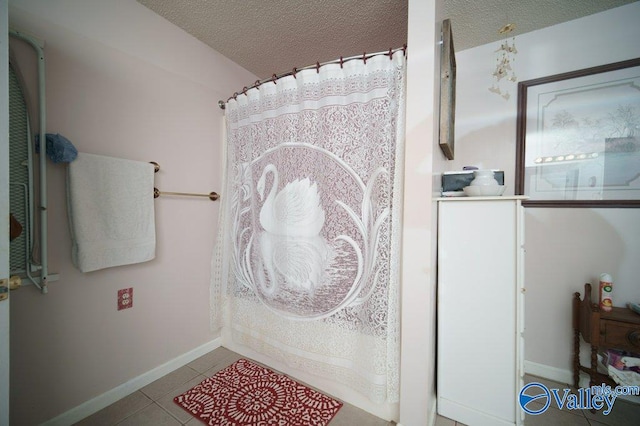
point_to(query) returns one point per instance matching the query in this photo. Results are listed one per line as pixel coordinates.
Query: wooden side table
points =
(618, 329)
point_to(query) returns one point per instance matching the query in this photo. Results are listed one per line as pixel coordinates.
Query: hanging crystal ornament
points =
(505, 57)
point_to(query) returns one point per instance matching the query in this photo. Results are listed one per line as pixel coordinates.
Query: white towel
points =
(624, 377)
(111, 211)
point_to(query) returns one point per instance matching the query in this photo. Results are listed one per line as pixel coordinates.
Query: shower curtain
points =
(306, 269)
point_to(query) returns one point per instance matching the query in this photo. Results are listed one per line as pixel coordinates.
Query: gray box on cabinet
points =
(456, 181)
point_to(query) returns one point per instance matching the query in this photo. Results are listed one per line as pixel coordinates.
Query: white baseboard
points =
(547, 372)
(98, 403)
(434, 411)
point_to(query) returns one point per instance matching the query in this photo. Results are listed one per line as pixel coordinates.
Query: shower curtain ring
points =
(341, 61)
(318, 67)
(273, 78)
(295, 71)
(364, 57)
(390, 54)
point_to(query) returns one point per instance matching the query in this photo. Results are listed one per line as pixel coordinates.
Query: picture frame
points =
(447, 91)
(578, 138)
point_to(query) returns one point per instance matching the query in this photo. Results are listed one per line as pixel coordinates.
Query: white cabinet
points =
(480, 310)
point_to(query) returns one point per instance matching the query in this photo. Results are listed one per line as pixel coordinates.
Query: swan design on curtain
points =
(292, 250)
(295, 211)
(300, 262)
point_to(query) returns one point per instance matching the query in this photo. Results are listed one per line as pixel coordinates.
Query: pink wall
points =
(122, 82)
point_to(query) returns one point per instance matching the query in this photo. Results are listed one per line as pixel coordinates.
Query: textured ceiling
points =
(273, 36)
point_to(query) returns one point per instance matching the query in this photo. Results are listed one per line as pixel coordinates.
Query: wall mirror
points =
(447, 90)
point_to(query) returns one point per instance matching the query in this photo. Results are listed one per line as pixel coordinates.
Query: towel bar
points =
(213, 196)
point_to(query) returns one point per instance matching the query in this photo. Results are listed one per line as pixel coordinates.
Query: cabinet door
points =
(477, 310)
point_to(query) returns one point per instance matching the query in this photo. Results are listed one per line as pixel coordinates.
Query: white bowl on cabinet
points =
(484, 190)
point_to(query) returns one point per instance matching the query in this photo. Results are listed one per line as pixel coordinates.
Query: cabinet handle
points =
(634, 338)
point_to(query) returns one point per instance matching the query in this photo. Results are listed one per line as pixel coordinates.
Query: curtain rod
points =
(341, 61)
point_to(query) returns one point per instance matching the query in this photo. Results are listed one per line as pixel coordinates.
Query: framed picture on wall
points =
(578, 138)
(447, 90)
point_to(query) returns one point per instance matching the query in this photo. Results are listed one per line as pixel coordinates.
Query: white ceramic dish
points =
(484, 190)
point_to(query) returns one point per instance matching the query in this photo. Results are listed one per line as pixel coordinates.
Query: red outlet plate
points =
(125, 298)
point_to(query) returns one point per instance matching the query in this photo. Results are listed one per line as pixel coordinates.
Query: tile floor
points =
(153, 404)
(624, 413)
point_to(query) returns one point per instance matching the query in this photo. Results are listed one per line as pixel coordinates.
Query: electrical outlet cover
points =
(125, 298)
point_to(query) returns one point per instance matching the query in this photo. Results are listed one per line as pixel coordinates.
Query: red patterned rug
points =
(248, 394)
